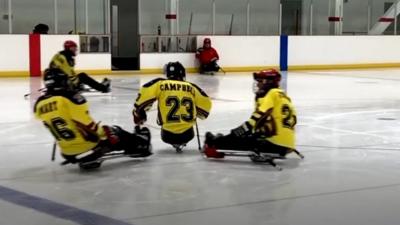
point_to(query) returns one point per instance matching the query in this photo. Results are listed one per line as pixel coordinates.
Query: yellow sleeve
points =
(59, 61)
(147, 95)
(263, 111)
(203, 103)
(79, 111)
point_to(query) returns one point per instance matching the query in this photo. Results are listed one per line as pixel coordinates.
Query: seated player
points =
(208, 58)
(65, 61)
(271, 127)
(179, 104)
(81, 140)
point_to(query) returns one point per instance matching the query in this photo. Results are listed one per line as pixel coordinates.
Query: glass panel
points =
(291, 17)
(390, 29)
(152, 15)
(27, 14)
(200, 15)
(3, 17)
(355, 17)
(65, 16)
(230, 17)
(94, 43)
(96, 17)
(378, 9)
(80, 16)
(156, 43)
(264, 17)
(320, 23)
(306, 17)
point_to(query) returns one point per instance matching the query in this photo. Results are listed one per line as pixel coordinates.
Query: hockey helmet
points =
(265, 80)
(175, 71)
(207, 43)
(71, 46)
(55, 80)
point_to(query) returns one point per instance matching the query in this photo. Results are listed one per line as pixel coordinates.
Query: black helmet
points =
(175, 71)
(55, 80)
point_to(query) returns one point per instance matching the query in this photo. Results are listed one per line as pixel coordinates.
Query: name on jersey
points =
(177, 87)
(48, 107)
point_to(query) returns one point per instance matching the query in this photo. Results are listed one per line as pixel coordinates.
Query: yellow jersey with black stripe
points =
(67, 118)
(179, 103)
(275, 118)
(65, 62)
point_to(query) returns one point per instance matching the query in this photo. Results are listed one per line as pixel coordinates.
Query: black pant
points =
(85, 79)
(102, 148)
(177, 139)
(248, 143)
(210, 67)
(129, 142)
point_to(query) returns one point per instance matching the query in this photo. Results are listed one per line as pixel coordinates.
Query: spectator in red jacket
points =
(207, 57)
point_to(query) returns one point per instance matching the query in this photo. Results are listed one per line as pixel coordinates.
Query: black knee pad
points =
(143, 138)
(117, 130)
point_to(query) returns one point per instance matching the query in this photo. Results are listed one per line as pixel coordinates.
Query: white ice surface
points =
(348, 129)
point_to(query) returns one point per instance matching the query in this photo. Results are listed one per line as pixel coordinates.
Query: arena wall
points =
(237, 53)
(14, 57)
(15, 61)
(247, 53)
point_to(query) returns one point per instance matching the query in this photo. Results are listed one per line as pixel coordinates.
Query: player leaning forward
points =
(179, 104)
(65, 113)
(270, 129)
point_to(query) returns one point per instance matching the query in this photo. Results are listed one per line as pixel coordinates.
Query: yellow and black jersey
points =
(68, 119)
(65, 62)
(179, 103)
(275, 118)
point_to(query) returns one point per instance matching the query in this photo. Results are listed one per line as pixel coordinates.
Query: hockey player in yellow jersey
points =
(65, 114)
(179, 104)
(271, 127)
(65, 61)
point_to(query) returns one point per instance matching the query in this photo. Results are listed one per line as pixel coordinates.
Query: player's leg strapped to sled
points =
(104, 86)
(210, 68)
(256, 148)
(119, 143)
(178, 141)
(269, 134)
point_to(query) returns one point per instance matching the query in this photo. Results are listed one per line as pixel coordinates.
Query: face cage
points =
(262, 86)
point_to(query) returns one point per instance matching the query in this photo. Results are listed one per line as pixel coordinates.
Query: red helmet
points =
(69, 44)
(207, 41)
(266, 79)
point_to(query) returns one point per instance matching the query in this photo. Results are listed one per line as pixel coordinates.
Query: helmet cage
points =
(266, 80)
(71, 46)
(175, 71)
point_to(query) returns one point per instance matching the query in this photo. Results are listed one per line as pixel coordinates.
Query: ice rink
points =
(348, 129)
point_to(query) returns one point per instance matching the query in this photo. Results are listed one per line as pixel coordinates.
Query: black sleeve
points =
(37, 102)
(76, 98)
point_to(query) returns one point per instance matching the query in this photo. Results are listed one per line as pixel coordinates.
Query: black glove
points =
(242, 130)
(139, 117)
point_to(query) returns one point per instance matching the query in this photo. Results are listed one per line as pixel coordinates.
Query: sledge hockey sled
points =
(110, 155)
(260, 157)
(179, 148)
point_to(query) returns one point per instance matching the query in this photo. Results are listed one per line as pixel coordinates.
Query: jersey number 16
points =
(58, 128)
